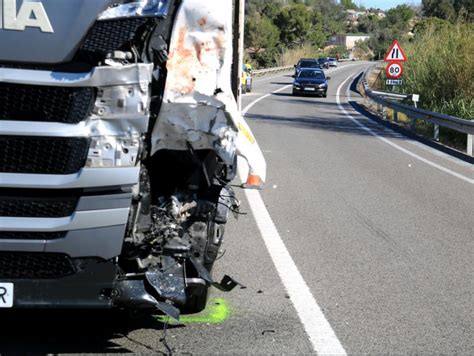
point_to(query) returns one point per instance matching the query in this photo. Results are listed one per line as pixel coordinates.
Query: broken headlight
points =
(114, 152)
(137, 8)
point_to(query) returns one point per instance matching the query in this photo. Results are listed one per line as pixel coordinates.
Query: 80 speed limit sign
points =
(394, 70)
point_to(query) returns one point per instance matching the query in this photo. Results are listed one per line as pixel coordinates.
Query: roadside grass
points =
(292, 56)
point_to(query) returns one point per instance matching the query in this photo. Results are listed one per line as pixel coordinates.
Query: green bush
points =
(440, 68)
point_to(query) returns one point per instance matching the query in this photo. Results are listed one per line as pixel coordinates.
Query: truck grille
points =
(37, 207)
(42, 155)
(44, 103)
(20, 235)
(20, 265)
(111, 35)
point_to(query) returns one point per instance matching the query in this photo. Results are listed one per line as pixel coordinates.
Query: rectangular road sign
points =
(394, 82)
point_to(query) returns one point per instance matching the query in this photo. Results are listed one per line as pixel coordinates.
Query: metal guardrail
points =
(285, 68)
(272, 70)
(392, 101)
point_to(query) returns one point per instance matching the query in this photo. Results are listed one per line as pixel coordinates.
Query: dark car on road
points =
(311, 81)
(323, 62)
(306, 63)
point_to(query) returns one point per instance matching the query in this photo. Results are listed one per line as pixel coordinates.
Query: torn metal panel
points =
(121, 107)
(98, 77)
(199, 107)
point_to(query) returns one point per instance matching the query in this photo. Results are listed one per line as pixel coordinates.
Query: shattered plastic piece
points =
(169, 310)
(227, 284)
(167, 285)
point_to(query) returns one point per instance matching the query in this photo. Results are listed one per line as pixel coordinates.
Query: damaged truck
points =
(119, 138)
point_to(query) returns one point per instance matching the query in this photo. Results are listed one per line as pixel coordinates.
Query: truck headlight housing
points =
(137, 8)
(114, 151)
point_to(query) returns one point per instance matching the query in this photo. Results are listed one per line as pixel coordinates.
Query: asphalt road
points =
(379, 226)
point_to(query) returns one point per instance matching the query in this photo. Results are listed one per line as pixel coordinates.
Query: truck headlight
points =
(137, 8)
(113, 151)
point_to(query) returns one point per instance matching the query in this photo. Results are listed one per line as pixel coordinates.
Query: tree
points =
(260, 33)
(398, 18)
(444, 9)
(368, 24)
(348, 5)
(451, 10)
(431, 24)
(294, 21)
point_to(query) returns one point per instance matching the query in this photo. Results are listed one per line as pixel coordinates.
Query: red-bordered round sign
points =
(394, 70)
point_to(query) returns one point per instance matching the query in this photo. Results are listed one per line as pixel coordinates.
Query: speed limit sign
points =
(394, 70)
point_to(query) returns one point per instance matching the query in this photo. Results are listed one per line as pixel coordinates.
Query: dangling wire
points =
(165, 334)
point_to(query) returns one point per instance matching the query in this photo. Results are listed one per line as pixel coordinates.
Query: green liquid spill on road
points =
(217, 312)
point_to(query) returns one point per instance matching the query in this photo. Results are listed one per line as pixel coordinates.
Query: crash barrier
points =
(271, 70)
(393, 101)
(285, 68)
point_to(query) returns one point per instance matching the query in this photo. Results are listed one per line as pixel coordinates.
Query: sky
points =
(385, 4)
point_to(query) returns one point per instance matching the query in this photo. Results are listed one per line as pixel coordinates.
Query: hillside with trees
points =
(438, 37)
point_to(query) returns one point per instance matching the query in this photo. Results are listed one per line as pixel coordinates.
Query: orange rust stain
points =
(191, 57)
(181, 62)
(202, 21)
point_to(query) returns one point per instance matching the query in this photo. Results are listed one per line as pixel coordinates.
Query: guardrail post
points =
(470, 145)
(413, 125)
(395, 116)
(436, 132)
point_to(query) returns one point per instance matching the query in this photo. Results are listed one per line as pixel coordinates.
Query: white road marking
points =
(404, 150)
(252, 104)
(320, 332)
(259, 80)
